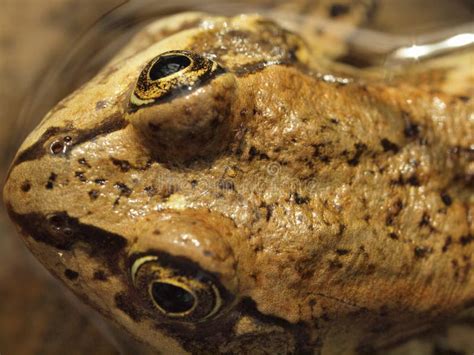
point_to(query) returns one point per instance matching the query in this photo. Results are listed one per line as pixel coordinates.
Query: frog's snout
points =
(183, 104)
(183, 268)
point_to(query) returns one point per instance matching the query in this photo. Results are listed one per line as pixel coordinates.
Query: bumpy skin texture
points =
(334, 214)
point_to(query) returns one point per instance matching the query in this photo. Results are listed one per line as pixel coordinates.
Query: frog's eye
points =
(177, 288)
(185, 106)
(171, 74)
(167, 65)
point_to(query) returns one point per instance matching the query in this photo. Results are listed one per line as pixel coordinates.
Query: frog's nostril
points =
(57, 147)
(60, 145)
(59, 229)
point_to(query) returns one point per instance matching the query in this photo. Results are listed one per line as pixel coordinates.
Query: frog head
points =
(119, 191)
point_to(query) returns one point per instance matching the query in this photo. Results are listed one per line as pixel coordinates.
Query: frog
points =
(216, 188)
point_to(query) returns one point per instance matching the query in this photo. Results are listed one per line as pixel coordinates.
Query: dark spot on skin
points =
(225, 184)
(413, 181)
(412, 130)
(52, 178)
(255, 153)
(393, 236)
(455, 265)
(80, 175)
(317, 149)
(447, 243)
(360, 148)
(84, 162)
(337, 10)
(399, 181)
(157, 232)
(93, 194)
(124, 165)
(150, 191)
(466, 239)
(389, 146)
(425, 220)
(269, 212)
(393, 212)
(464, 98)
(71, 275)
(100, 181)
(124, 189)
(300, 200)
(342, 251)
(62, 232)
(317, 152)
(325, 159)
(446, 199)
(100, 275)
(25, 186)
(421, 252)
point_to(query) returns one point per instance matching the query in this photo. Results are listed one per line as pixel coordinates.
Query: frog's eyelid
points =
(138, 263)
(138, 102)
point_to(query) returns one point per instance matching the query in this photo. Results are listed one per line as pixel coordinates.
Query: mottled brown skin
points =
(334, 216)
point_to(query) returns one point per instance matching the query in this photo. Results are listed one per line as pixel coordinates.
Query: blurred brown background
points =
(36, 315)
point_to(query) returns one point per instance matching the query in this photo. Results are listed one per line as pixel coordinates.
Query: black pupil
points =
(171, 298)
(168, 65)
